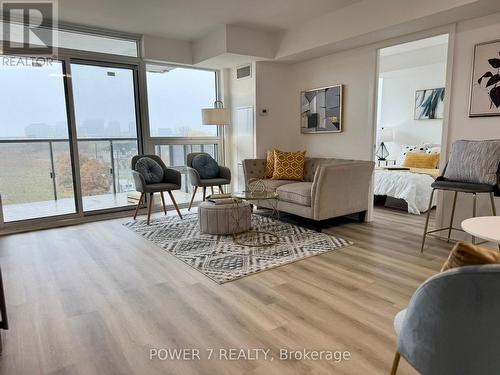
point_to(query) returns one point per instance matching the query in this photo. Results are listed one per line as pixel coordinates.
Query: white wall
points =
(279, 87)
(274, 130)
(398, 105)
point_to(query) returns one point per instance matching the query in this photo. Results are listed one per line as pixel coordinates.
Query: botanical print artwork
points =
(485, 87)
(321, 110)
(429, 104)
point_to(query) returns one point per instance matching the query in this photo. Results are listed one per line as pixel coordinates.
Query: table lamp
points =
(385, 135)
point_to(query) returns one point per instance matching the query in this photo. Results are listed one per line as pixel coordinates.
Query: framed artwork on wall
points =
(429, 104)
(321, 110)
(485, 85)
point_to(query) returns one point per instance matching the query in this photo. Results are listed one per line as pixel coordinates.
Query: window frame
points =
(150, 142)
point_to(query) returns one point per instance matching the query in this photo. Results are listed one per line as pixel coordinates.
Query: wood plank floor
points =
(95, 298)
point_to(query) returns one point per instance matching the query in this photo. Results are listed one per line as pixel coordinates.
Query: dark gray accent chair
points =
(469, 166)
(451, 324)
(171, 181)
(224, 178)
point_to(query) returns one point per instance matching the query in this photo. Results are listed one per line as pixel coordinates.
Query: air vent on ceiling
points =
(244, 71)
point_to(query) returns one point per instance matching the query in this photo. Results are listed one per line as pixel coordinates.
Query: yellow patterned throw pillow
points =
(289, 165)
(270, 163)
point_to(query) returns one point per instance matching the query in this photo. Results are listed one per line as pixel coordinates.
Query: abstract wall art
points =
(429, 104)
(321, 110)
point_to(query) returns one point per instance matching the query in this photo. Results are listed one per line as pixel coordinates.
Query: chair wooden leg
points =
(192, 198)
(474, 205)
(212, 189)
(452, 215)
(150, 206)
(220, 189)
(204, 192)
(138, 205)
(163, 201)
(175, 204)
(427, 220)
(395, 363)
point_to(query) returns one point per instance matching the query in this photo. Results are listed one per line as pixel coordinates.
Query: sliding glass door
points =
(106, 129)
(36, 174)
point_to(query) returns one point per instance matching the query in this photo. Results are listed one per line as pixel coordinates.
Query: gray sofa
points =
(331, 187)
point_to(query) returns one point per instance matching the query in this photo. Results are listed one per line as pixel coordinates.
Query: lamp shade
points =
(215, 116)
(386, 134)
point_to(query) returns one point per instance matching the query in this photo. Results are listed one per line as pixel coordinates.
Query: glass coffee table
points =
(258, 237)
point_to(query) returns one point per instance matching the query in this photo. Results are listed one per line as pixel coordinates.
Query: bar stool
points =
(474, 188)
(457, 187)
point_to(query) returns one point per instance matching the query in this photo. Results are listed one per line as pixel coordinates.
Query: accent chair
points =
(451, 324)
(160, 178)
(220, 178)
(473, 168)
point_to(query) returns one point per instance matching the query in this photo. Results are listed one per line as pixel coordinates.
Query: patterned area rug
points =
(222, 260)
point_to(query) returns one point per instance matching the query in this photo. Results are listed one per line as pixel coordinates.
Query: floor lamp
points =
(217, 116)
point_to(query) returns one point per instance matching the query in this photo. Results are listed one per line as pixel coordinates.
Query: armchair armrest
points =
(139, 181)
(172, 176)
(194, 176)
(224, 172)
(341, 189)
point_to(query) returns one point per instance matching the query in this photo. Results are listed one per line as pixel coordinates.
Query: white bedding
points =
(414, 188)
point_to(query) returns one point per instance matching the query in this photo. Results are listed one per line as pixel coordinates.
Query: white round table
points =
(485, 227)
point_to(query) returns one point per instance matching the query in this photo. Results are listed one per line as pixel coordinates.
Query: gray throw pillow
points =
(150, 169)
(206, 166)
(474, 161)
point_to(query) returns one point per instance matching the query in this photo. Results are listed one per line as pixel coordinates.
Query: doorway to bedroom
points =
(409, 124)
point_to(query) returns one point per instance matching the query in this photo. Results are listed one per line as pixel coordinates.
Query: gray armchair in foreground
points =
(170, 180)
(223, 177)
(451, 324)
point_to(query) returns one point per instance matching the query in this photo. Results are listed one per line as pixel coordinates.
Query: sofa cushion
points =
(270, 185)
(297, 192)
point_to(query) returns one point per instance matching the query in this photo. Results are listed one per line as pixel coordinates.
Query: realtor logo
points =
(28, 28)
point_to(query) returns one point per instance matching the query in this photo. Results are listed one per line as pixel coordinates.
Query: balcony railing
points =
(36, 175)
(114, 153)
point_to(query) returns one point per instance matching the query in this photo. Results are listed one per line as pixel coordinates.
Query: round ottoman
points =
(224, 218)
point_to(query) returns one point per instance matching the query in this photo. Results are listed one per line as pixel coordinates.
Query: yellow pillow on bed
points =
(420, 160)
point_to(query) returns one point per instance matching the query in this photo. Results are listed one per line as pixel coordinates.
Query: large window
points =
(68, 128)
(36, 177)
(176, 97)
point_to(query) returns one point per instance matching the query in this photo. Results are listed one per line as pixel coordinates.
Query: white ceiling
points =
(191, 19)
(415, 45)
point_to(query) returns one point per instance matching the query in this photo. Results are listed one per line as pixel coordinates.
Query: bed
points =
(413, 186)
